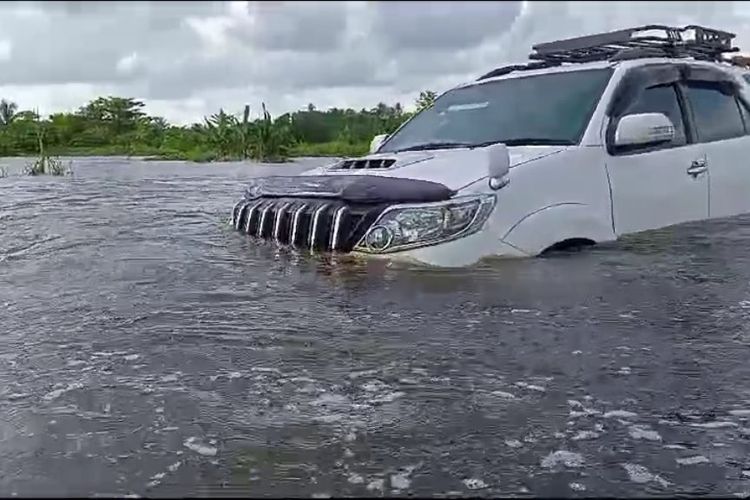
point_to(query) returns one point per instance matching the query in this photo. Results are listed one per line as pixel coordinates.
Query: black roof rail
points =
(706, 44)
(518, 67)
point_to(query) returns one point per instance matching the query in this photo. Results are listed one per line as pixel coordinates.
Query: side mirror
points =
(498, 165)
(644, 129)
(377, 141)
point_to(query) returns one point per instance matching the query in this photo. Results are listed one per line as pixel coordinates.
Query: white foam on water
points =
(355, 478)
(625, 370)
(400, 481)
(585, 412)
(513, 443)
(698, 459)
(531, 387)
(576, 353)
(15, 396)
(503, 394)
(575, 404)
(674, 447)
(620, 414)
(641, 432)
(746, 473)
(740, 413)
(562, 457)
(641, 475)
(75, 362)
(585, 435)
(375, 386)
(264, 369)
(714, 425)
(387, 398)
(192, 443)
(376, 484)
(59, 392)
(107, 354)
(475, 484)
(577, 487)
(131, 357)
(174, 466)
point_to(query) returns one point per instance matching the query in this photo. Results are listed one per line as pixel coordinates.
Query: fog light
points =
(379, 238)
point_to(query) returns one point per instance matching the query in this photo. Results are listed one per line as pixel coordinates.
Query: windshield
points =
(535, 110)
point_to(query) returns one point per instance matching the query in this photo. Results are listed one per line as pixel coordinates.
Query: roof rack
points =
(706, 44)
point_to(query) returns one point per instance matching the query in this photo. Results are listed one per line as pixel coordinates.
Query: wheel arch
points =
(559, 224)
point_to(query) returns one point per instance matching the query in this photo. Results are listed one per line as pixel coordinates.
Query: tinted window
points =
(543, 109)
(661, 99)
(716, 114)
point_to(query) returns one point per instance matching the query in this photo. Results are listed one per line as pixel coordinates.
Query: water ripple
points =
(152, 347)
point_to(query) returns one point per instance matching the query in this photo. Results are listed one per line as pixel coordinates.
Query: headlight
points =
(401, 227)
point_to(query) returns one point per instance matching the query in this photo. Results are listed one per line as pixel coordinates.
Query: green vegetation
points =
(120, 126)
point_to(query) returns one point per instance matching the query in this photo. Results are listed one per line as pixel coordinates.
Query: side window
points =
(716, 114)
(661, 99)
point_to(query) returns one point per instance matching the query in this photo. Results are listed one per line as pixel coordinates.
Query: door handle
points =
(697, 167)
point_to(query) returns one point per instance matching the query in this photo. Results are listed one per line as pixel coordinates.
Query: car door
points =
(654, 187)
(717, 114)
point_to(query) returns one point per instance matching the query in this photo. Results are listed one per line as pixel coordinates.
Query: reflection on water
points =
(148, 349)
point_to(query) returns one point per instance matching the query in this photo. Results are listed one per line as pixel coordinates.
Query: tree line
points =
(120, 126)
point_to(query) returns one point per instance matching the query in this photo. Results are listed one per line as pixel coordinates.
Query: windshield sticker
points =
(467, 106)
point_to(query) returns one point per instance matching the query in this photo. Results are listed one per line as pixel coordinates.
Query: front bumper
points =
(325, 225)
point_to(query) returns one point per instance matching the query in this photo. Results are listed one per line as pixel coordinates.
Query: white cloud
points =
(127, 64)
(187, 59)
(5, 50)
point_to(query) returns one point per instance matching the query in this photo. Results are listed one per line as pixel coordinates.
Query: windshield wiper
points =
(435, 145)
(526, 141)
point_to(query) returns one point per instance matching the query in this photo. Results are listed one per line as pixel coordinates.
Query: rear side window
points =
(661, 99)
(716, 114)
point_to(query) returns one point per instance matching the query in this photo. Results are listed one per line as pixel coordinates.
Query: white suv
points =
(599, 137)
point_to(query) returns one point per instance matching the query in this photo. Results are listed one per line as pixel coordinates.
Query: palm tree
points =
(7, 111)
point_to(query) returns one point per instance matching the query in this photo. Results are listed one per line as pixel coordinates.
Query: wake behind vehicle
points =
(594, 138)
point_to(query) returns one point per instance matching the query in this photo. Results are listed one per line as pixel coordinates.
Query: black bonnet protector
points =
(364, 189)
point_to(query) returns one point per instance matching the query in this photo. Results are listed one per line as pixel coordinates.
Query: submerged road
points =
(147, 349)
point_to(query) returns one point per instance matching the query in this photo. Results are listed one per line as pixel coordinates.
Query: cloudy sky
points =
(187, 59)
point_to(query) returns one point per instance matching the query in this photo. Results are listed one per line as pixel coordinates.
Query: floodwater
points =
(148, 349)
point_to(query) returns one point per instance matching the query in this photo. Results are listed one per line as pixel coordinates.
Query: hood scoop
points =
(381, 162)
(366, 163)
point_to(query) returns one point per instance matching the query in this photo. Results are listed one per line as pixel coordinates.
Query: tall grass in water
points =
(3, 172)
(45, 164)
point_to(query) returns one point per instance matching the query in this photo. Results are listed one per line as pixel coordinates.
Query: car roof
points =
(626, 64)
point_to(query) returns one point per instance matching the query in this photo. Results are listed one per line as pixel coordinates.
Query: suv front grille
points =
(314, 224)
